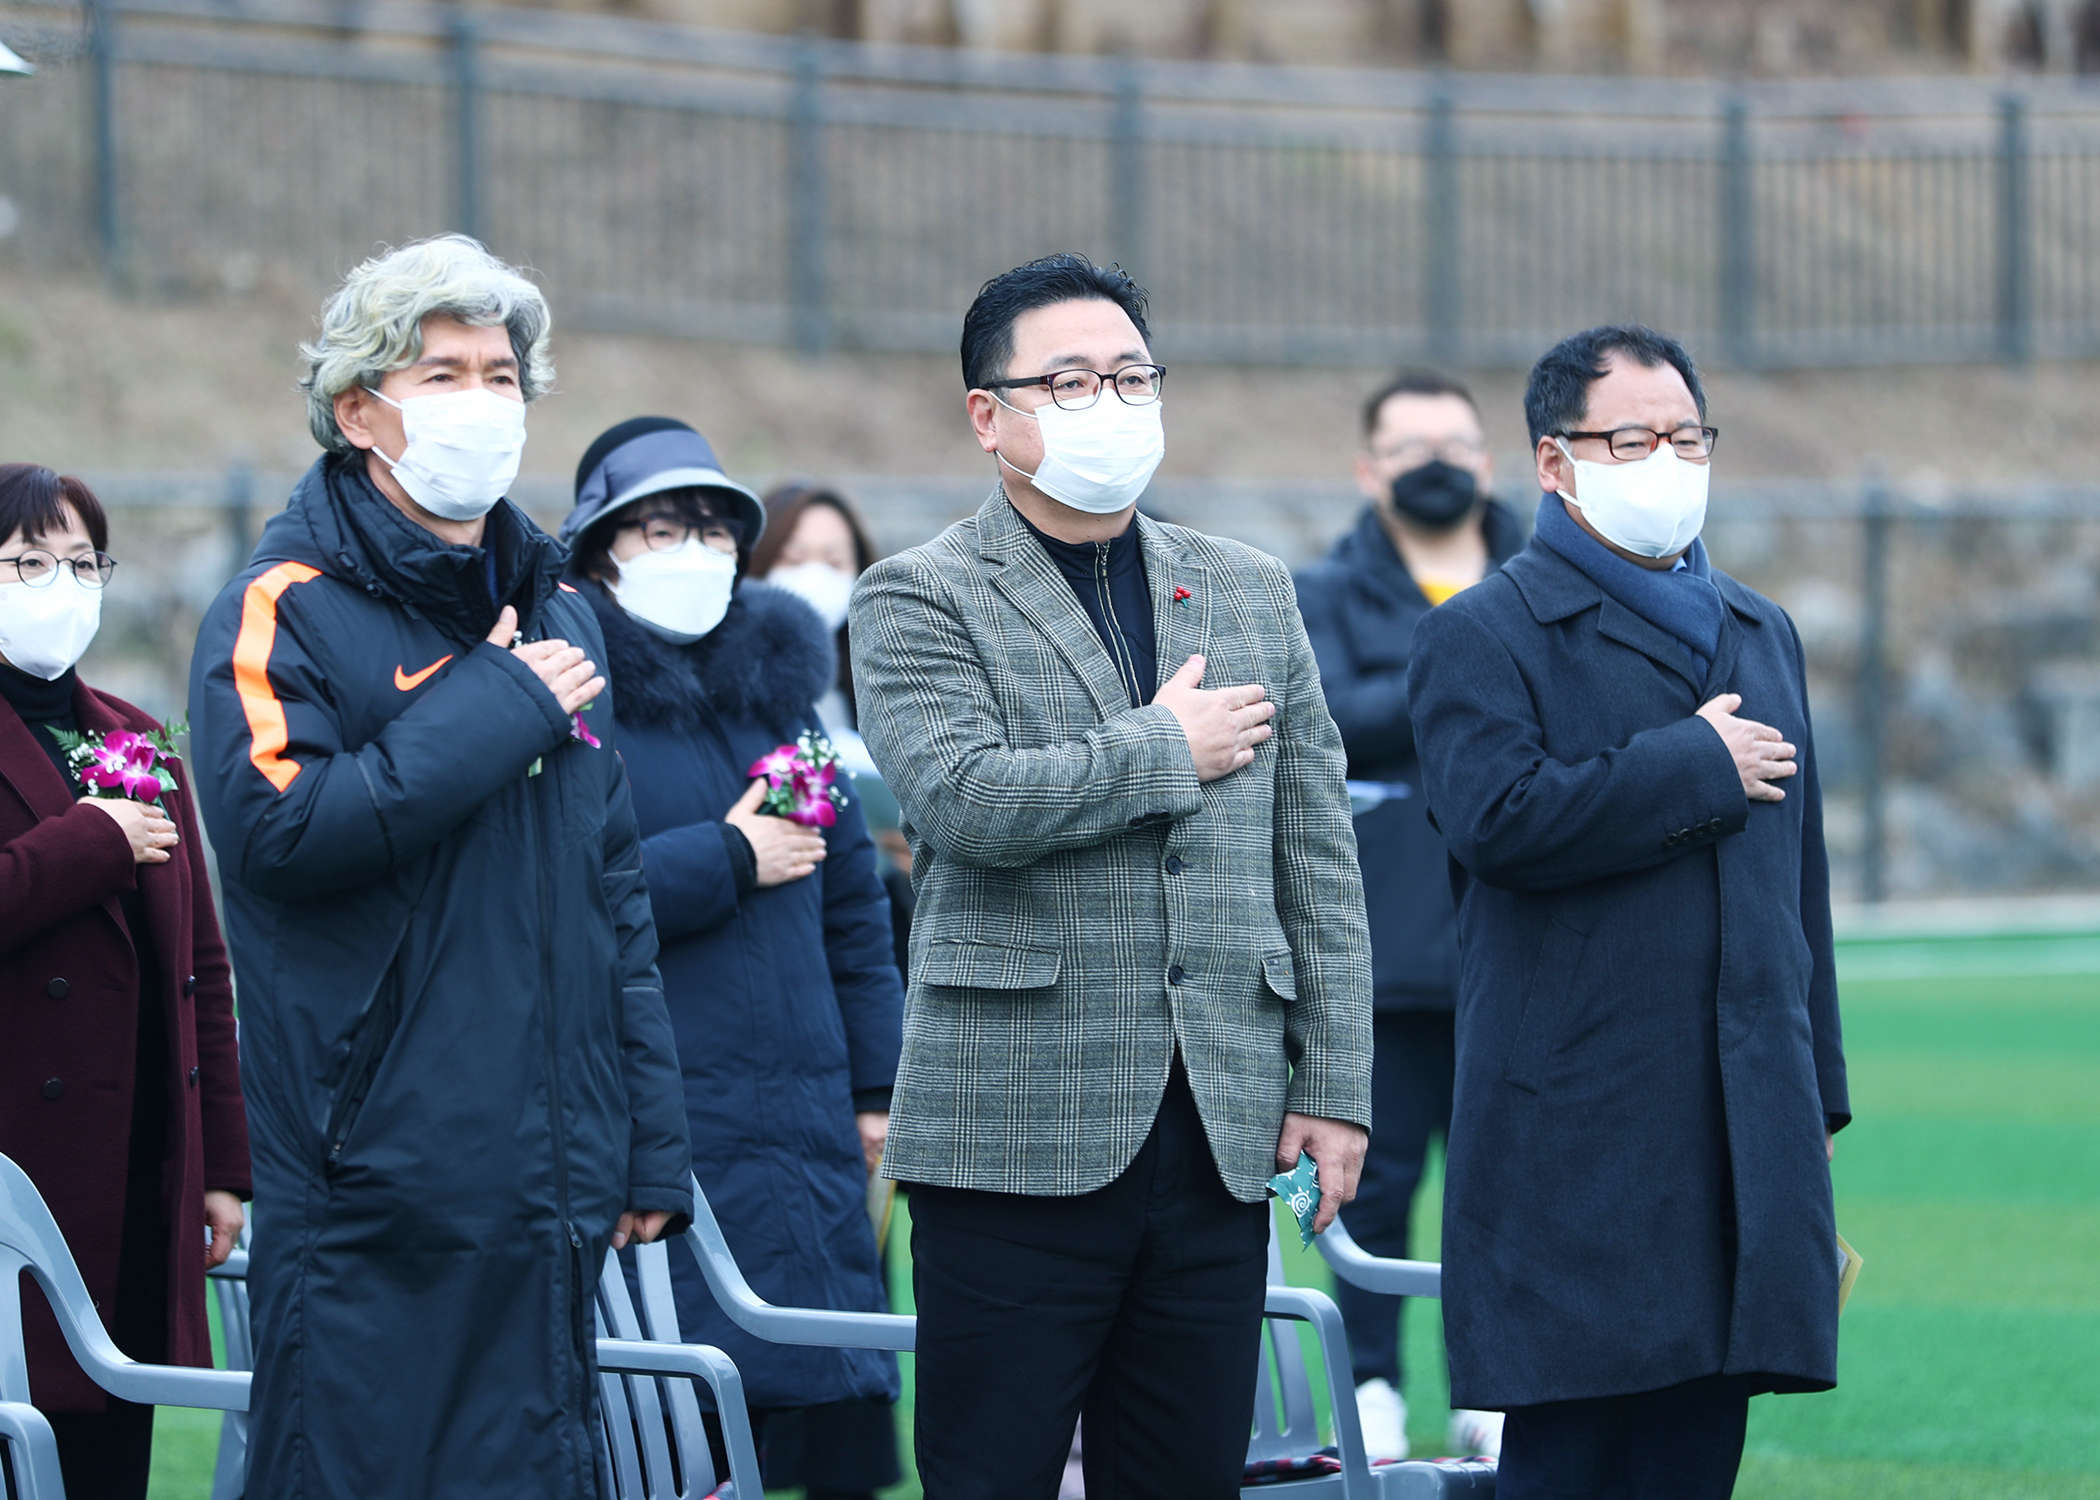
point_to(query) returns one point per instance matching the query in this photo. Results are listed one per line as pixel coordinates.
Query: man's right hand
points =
(573, 680)
(1223, 725)
(152, 835)
(784, 850)
(1762, 755)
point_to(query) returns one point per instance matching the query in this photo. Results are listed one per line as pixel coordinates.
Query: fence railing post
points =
(1738, 237)
(1873, 686)
(2013, 311)
(240, 513)
(1443, 285)
(809, 291)
(1126, 213)
(466, 104)
(109, 201)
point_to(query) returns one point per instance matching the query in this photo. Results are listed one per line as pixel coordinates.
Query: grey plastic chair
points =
(1286, 1423)
(656, 1439)
(30, 1241)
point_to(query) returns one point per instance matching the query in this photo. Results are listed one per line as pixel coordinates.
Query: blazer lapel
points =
(1180, 626)
(1023, 572)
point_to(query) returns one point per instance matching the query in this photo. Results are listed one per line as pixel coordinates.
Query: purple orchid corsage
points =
(801, 782)
(122, 764)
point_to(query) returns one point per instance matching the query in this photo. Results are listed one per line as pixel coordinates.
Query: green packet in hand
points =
(1300, 1188)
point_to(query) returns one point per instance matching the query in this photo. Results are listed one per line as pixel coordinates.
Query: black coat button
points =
(189, 985)
(58, 989)
(1174, 864)
(1714, 826)
(53, 1087)
(193, 1077)
(1175, 974)
(1669, 841)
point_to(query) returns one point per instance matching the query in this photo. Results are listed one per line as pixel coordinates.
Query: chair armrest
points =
(234, 1268)
(1317, 1308)
(821, 1327)
(1377, 1273)
(698, 1362)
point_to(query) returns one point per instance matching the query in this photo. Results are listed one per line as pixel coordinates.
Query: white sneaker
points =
(1383, 1413)
(1476, 1434)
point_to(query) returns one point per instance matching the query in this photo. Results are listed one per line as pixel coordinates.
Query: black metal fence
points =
(830, 194)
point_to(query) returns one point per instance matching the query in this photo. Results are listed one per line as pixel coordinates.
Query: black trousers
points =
(1139, 1303)
(1683, 1442)
(1412, 1063)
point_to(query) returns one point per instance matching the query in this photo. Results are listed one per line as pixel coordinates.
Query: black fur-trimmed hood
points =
(768, 660)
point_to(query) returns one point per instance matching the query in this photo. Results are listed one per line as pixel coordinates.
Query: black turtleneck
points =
(45, 706)
(1109, 580)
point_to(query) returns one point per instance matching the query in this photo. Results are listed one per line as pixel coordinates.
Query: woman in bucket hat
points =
(776, 957)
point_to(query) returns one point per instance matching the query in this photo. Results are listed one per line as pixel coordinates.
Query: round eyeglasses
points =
(1076, 390)
(37, 568)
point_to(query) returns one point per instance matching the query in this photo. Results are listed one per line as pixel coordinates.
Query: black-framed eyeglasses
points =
(1076, 390)
(669, 533)
(37, 568)
(1629, 444)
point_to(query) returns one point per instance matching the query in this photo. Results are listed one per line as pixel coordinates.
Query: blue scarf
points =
(1684, 603)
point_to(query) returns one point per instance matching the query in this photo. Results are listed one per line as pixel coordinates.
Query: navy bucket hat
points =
(645, 456)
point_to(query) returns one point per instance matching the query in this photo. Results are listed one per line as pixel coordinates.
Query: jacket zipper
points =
(578, 1397)
(364, 1066)
(1126, 668)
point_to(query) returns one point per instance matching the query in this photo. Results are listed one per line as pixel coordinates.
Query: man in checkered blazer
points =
(1140, 972)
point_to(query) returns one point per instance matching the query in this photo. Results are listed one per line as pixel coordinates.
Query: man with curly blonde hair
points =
(460, 1075)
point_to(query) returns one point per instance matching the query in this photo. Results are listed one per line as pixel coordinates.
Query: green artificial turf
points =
(1969, 1357)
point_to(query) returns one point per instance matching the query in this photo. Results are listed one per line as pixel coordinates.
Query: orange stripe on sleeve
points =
(251, 671)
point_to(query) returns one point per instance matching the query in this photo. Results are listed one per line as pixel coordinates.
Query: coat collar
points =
(338, 522)
(768, 660)
(1554, 589)
(1023, 571)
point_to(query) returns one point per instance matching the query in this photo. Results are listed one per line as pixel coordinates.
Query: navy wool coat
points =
(453, 1044)
(1361, 606)
(1648, 1050)
(785, 1001)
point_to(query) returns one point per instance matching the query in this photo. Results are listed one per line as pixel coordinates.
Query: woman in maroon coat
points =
(119, 1082)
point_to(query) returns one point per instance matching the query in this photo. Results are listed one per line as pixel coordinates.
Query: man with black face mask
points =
(1429, 531)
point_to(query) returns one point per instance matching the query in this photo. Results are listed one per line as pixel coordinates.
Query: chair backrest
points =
(656, 1439)
(229, 1283)
(1286, 1425)
(30, 1241)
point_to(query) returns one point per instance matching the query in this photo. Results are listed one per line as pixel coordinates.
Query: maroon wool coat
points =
(69, 998)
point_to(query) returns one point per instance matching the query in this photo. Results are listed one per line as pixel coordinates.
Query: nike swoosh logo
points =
(409, 684)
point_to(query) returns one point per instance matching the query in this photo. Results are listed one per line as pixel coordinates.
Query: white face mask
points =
(43, 631)
(462, 453)
(819, 585)
(1654, 508)
(681, 594)
(1098, 459)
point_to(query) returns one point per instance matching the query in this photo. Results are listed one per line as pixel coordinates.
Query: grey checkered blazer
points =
(1083, 901)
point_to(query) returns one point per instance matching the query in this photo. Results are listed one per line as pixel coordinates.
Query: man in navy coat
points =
(1638, 1231)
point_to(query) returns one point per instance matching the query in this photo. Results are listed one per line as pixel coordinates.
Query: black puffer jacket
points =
(454, 1045)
